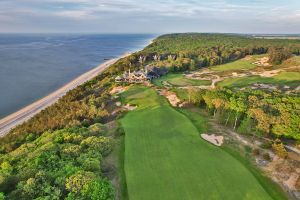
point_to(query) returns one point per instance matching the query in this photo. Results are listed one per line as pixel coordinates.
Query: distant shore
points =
(9, 122)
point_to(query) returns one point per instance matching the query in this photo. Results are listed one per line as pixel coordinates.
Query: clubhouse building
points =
(141, 76)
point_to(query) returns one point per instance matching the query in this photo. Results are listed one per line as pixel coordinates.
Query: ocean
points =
(34, 65)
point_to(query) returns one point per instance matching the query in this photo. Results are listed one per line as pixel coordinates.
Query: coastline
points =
(9, 122)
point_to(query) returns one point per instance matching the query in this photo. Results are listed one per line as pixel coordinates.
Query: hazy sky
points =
(150, 16)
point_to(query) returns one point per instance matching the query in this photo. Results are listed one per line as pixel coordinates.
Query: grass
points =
(182, 94)
(123, 184)
(179, 80)
(273, 189)
(284, 78)
(166, 159)
(238, 65)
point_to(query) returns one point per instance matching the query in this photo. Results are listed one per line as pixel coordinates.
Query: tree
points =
(238, 104)
(2, 196)
(39, 186)
(277, 55)
(6, 168)
(79, 180)
(99, 190)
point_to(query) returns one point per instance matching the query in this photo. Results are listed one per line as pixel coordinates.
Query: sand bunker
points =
(118, 90)
(129, 107)
(171, 96)
(264, 62)
(214, 139)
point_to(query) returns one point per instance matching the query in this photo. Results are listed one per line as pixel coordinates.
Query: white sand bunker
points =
(214, 139)
(129, 107)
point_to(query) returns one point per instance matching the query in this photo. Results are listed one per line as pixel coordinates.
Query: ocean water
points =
(32, 65)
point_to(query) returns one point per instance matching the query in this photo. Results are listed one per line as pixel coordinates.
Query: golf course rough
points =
(166, 159)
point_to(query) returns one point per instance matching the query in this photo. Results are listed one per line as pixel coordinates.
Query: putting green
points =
(166, 159)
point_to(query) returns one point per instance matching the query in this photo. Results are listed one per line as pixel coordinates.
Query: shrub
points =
(245, 126)
(99, 190)
(266, 156)
(248, 149)
(102, 144)
(2, 197)
(79, 180)
(255, 152)
(279, 149)
(266, 145)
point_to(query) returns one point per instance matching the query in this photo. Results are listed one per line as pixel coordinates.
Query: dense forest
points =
(63, 164)
(57, 154)
(181, 52)
(253, 111)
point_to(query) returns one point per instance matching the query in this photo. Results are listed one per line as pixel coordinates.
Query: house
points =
(141, 76)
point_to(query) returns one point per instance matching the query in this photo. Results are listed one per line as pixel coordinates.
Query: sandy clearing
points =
(171, 96)
(118, 90)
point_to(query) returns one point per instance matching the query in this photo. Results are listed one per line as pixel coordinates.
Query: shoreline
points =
(12, 120)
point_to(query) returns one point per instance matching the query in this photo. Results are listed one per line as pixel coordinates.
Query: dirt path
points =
(19, 117)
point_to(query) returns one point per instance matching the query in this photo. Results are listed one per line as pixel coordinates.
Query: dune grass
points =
(166, 159)
(179, 80)
(283, 78)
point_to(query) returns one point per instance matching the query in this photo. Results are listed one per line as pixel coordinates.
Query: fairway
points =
(241, 64)
(284, 78)
(165, 159)
(180, 80)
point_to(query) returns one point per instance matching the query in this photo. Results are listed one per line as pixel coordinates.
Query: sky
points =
(149, 16)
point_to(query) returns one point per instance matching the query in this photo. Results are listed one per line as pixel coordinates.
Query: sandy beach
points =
(19, 117)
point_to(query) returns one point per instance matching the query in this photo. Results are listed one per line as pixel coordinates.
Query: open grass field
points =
(179, 80)
(284, 78)
(165, 159)
(238, 65)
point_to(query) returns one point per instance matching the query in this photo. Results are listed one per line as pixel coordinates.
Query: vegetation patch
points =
(64, 164)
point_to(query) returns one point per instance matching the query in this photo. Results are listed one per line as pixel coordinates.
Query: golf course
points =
(165, 158)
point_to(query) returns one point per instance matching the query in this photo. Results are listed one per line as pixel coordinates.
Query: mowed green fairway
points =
(284, 78)
(241, 64)
(166, 159)
(180, 80)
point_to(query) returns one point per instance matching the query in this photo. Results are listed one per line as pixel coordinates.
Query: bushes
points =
(266, 156)
(279, 149)
(278, 55)
(2, 196)
(59, 164)
(85, 185)
(255, 152)
(79, 180)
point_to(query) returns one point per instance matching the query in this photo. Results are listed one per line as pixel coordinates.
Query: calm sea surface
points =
(32, 66)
